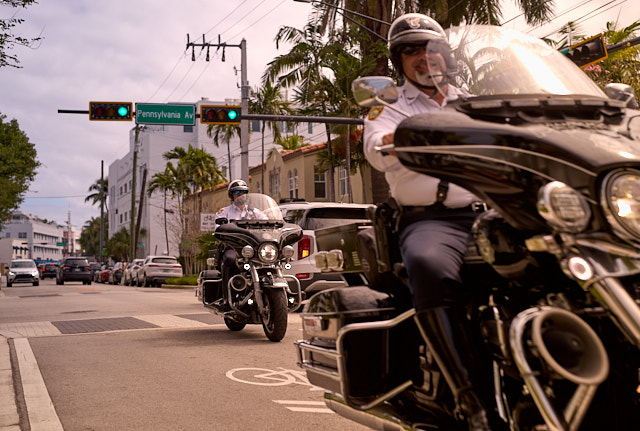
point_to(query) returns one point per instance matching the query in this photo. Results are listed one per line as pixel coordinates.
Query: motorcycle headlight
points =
(247, 252)
(268, 252)
(563, 207)
(287, 251)
(620, 199)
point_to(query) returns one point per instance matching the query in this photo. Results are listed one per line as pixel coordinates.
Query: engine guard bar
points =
(298, 303)
(339, 355)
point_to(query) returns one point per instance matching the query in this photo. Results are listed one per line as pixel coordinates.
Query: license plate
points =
(77, 269)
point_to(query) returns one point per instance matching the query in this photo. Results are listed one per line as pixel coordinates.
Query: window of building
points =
(319, 183)
(120, 190)
(125, 187)
(187, 129)
(22, 235)
(293, 183)
(274, 182)
(125, 216)
(120, 218)
(342, 180)
(129, 184)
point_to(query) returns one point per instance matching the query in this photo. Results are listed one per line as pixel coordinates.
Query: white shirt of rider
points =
(243, 212)
(407, 187)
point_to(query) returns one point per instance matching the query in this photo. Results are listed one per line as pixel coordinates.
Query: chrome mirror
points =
(374, 90)
(623, 92)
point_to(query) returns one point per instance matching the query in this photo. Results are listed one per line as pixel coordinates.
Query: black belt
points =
(476, 207)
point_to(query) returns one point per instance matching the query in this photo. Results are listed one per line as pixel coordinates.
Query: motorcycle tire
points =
(233, 325)
(274, 319)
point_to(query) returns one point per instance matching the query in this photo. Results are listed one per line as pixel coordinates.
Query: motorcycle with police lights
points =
(256, 291)
(551, 282)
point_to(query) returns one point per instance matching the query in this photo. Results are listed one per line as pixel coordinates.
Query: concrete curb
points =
(9, 417)
(177, 286)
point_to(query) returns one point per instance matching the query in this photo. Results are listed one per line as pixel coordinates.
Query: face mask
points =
(240, 201)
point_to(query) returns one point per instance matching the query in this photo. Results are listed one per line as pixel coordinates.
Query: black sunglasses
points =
(413, 49)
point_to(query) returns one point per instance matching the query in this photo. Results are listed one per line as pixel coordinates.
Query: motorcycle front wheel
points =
(274, 319)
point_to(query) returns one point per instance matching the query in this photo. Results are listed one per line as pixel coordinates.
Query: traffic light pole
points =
(244, 97)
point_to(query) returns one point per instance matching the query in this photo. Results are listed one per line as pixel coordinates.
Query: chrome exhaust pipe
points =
(571, 349)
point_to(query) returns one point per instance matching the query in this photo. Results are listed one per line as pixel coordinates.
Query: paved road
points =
(110, 357)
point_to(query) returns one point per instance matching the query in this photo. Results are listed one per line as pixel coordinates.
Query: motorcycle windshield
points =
(489, 61)
(261, 207)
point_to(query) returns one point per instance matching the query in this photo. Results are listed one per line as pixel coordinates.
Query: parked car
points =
(95, 267)
(102, 276)
(156, 269)
(311, 216)
(130, 274)
(74, 269)
(116, 273)
(49, 269)
(23, 271)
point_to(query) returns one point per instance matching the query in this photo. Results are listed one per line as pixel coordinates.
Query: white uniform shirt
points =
(232, 212)
(409, 187)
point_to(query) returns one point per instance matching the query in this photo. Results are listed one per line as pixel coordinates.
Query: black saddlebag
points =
(359, 345)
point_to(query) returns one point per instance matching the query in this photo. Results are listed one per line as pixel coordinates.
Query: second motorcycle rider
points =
(432, 240)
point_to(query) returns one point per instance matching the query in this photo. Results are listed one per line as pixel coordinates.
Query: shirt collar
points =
(412, 93)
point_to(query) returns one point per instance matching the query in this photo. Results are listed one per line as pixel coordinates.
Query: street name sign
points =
(161, 113)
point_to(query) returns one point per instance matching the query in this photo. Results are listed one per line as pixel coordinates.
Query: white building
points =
(29, 237)
(154, 141)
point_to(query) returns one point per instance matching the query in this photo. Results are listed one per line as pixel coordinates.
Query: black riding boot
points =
(438, 330)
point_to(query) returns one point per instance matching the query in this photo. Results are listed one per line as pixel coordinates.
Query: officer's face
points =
(422, 67)
(240, 198)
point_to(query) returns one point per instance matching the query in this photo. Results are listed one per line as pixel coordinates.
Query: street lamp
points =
(342, 10)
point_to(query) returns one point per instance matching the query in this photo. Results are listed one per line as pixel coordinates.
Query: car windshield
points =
(25, 264)
(320, 218)
(165, 260)
(76, 262)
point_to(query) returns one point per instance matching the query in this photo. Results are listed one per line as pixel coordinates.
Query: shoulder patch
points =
(220, 211)
(374, 112)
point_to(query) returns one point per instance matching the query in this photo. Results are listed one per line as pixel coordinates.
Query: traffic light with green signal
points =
(110, 111)
(588, 51)
(220, 114)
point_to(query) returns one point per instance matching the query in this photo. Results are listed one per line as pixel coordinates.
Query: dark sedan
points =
(74, 269)
(49, 270)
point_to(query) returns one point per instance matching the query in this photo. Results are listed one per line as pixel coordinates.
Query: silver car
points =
(156, 269)
(23, 271)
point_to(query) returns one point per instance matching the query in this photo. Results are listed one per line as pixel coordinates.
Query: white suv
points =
(311, 216)
(156, 269)
(23, 271)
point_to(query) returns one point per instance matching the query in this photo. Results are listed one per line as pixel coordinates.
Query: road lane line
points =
(293, 403)
(42, 414)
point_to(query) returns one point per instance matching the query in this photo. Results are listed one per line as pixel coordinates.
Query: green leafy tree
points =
(18, 164)
(164, 183)
(621, 66)
(8, 40)
(268, 100)
(90, 237)
(224, 133)
(119, 244)
(98, 191)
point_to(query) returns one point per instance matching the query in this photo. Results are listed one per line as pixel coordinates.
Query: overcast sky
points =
(123, 50)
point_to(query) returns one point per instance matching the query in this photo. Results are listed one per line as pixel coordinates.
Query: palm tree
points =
(163, 182)
(100, 192)
(90, 236)
(303, 66)
(224, 132)
(268, 100)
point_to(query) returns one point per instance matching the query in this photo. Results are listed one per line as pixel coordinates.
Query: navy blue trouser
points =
(433, 246)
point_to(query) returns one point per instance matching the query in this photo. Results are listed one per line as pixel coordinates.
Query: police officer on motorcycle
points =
(436, 216)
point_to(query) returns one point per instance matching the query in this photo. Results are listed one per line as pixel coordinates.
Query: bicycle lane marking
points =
(42, 413)
(312, 406)
(280, 377)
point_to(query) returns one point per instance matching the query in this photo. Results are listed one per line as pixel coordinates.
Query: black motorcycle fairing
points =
(237, 234)
(505, 165)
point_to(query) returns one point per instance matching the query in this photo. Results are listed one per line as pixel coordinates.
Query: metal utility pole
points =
(101, 209)
(134, 169)
(142, 187)
(244, 96)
